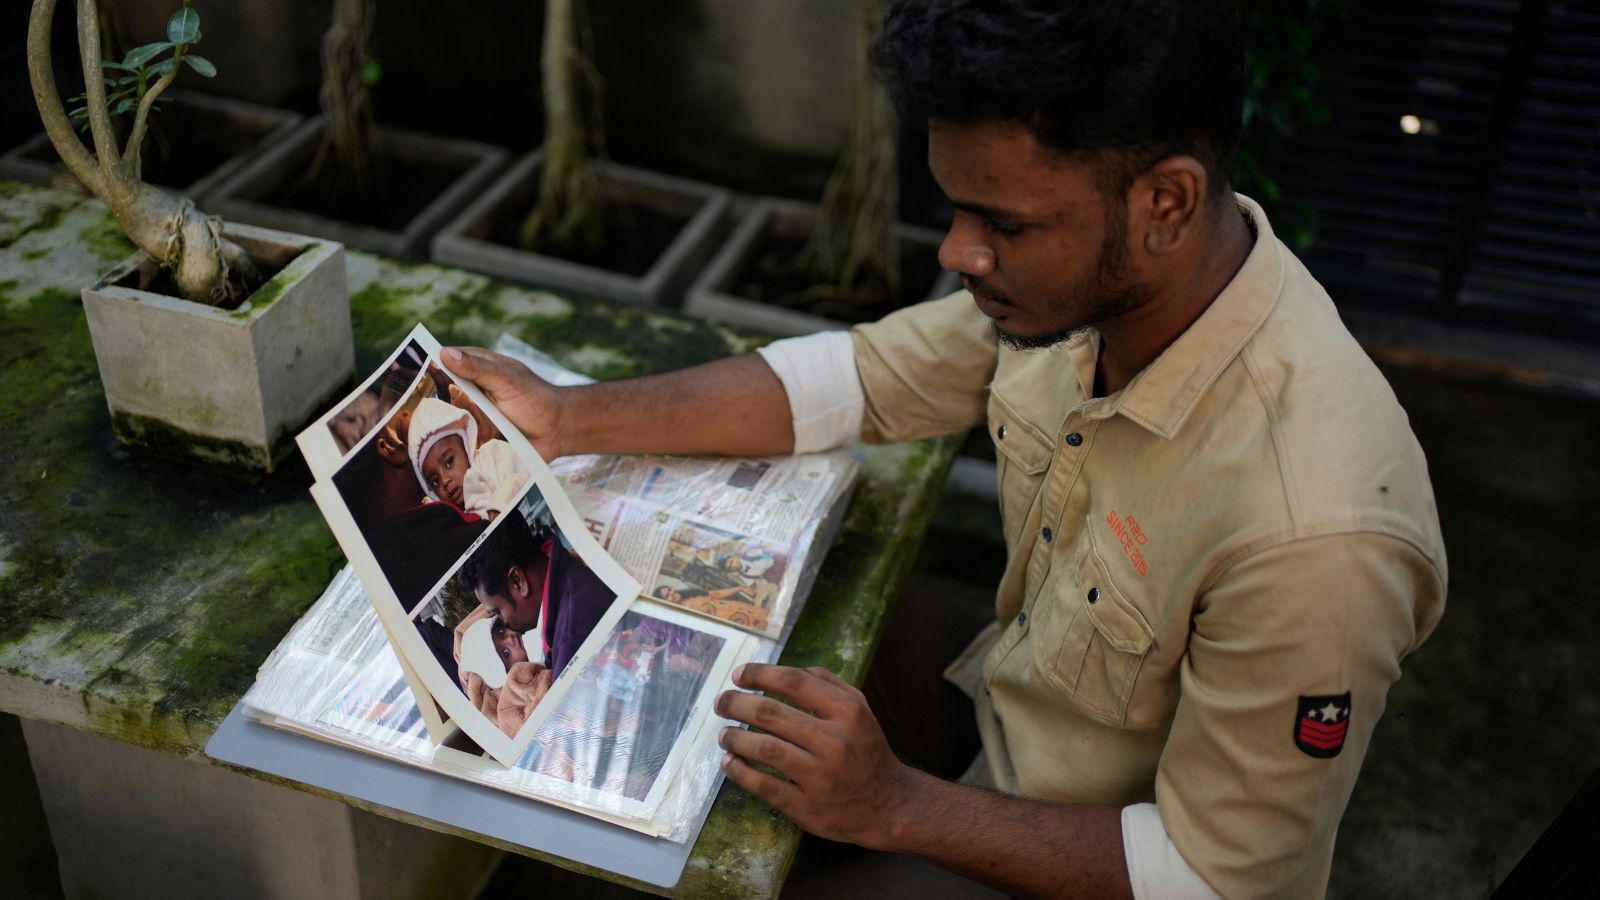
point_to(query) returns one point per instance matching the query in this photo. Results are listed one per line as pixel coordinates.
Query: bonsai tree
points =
(853, 250)
(205, 266)
(348, 157)
(566, 212)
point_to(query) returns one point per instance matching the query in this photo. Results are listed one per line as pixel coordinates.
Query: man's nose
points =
(965, 251)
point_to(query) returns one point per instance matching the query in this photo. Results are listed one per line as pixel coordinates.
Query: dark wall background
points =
(1490, 214)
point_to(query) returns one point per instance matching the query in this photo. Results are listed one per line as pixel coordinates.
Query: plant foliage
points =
(1281, 79)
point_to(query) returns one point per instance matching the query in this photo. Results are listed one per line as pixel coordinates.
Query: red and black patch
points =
(1321, 723)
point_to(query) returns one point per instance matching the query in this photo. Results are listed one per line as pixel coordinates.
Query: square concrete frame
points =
(465, 241)
(22, 162)
(240, 198)
(710, 297)
(227, 389)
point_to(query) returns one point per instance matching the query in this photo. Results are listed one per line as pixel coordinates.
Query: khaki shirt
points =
(1201, 565)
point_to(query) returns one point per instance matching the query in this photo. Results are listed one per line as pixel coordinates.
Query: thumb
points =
(471, 363)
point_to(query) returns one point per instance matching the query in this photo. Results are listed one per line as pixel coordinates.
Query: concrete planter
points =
(226, 389)
(463, 167)
(712, 297)
(467, 242)
(217, 135)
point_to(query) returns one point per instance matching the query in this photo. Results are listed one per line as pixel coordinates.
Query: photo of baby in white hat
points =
(452, 466)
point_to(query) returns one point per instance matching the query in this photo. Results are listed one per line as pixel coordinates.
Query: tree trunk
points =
(566, 213)
(347, 156)
(207, 268)
(853, 249)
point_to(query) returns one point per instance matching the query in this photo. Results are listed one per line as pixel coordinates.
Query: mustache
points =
(977, 288)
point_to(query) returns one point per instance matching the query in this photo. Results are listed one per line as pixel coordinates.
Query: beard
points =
(1108, 292)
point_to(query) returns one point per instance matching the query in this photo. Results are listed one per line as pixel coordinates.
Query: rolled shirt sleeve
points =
(925, 370)
(1313, 628)
(818, 373)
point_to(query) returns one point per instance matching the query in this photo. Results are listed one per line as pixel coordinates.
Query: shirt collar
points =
(1161, 397)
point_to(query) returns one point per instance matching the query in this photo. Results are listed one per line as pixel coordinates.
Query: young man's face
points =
(517, 608)
(1043, 252)
(444, 468)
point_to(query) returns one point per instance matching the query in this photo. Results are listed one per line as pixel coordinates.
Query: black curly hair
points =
(512, 542)
(1119, 83)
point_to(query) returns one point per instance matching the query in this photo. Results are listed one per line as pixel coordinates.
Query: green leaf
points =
(123, 106)
(372, 73)
(160, 69)
(138, 57)
(184, 27)
(201, 65)
(81, 112)
(113, 64)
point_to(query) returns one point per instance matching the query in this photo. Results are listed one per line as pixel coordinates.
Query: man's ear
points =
(1168, 201)
(516, 583)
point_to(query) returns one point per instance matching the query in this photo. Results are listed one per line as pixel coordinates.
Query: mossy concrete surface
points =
(138, 597)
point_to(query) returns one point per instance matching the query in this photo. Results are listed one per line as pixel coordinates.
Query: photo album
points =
(555, 631)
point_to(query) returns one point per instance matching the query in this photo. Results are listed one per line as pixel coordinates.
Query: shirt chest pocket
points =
(1089, 641)
(1022, 456)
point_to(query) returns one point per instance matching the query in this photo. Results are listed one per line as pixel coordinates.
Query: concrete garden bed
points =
(740, 288)
(425, 180)
(226, 389)
(660, 230)
(210, 139)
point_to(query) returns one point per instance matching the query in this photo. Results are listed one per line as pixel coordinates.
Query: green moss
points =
(106, 239)
(168, 441)
(45, 218)
(37, 254)
(273, 288)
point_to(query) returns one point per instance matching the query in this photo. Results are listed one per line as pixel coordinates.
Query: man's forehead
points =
(990, 166)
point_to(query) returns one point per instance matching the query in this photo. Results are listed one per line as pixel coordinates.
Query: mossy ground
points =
(154, 591)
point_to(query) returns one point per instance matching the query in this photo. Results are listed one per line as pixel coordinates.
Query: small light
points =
(1411, 124)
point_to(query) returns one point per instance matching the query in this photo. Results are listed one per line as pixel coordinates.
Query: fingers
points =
(768, 715)
(816, 689)
(774, 790)
(793, 761)
(480, 366)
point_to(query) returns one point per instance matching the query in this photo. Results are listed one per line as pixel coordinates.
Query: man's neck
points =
(1132, 341)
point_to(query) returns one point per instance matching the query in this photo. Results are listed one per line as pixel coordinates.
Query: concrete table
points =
(137, 598)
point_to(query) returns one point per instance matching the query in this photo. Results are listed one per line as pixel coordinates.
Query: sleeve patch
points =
(1320, 725)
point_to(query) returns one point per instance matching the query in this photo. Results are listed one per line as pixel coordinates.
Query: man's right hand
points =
(531, 403)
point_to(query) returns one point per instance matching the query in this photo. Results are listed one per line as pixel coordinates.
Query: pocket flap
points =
(1028, 448)
(1114, 617)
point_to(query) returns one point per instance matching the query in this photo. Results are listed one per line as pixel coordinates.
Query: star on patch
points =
(1320, 725)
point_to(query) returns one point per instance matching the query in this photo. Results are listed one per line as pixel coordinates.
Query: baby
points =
(442, 443)
(503, 674)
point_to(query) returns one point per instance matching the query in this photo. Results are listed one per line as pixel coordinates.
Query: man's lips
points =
(989, 303)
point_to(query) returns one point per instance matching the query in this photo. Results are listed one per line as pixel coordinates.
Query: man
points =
(1221, 534)
(529, 581)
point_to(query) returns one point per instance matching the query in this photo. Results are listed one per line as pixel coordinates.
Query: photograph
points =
(514, 616)
(721, 574)
(361, 413)
(427, 483)
(616, 730)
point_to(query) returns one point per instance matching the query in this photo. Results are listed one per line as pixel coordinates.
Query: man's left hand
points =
(837, 778)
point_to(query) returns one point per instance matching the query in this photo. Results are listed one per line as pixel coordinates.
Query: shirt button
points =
(1074, 439)
(1046, 534)
(1094, 594)
(1022, 618)
(1001, 432)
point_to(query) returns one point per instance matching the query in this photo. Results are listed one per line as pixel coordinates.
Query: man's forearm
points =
(729, 407)
(1024, 847)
